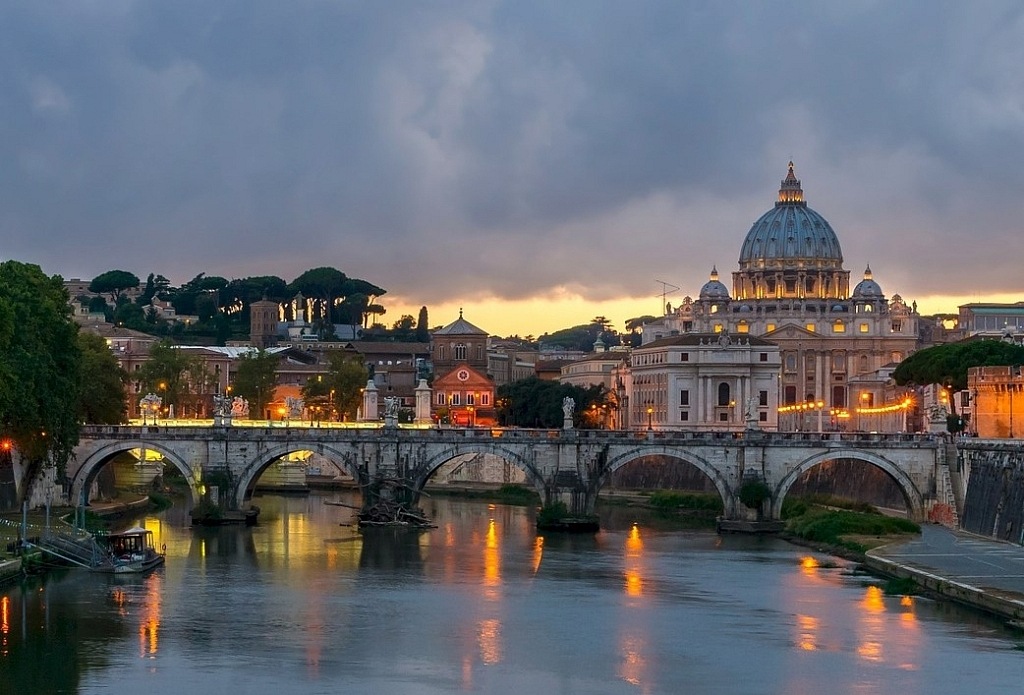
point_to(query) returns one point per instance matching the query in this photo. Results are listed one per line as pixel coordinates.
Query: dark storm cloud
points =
(508, 147)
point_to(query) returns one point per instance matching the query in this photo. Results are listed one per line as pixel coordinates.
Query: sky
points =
(536, 163)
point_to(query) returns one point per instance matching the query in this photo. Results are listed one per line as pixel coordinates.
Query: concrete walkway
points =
(980, 572)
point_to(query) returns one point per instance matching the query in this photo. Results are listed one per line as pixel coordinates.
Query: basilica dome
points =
(791, 235)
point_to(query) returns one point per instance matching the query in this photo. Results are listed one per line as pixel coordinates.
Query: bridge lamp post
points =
(650, 414)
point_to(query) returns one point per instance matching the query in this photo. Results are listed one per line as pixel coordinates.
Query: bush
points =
(753, 493)
(552, 513)
(669, 500)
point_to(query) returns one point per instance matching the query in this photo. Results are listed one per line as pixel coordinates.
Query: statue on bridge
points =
(239, 407)
(568, 406)
(294, 406)
(750, 414)
(390, 407)
(221, 406)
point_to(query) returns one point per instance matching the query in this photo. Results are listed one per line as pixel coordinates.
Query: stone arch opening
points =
(247, 479)
(455, 455)
(872, 467)
(90, 469)
(669, 465)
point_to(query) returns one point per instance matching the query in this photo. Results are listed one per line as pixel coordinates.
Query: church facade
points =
(837, 347)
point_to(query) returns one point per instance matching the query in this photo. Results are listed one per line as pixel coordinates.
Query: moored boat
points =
(129, 552)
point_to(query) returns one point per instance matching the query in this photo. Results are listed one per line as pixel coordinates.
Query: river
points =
(481, 604)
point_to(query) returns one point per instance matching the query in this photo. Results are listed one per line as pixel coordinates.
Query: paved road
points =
(988, 564)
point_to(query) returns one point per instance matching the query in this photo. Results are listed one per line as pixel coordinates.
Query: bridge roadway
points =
(565, 465)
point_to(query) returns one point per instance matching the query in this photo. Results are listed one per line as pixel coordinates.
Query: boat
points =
(129, 552)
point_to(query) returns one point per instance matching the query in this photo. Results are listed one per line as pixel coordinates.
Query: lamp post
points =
(650, 414)
(1011, 389)
(472, 415)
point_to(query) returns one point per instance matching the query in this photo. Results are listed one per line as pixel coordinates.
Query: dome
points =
(713, 289)
(791, 234)
(867, 288)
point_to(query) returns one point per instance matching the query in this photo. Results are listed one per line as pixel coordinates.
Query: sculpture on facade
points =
(750, 414)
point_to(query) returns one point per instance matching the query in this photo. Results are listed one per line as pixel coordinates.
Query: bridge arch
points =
(911, 495)
(92, 464)
(439, 457)
(254, 469)
(629, 455)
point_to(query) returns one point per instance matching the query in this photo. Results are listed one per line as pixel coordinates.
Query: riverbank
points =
(975, 571)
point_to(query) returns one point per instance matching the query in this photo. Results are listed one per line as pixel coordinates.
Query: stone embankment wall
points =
(994, 504)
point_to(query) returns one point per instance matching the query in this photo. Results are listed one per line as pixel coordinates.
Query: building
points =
(996, 402)
(463, 393)
(705, 381)
(991, 320)
(837, 347)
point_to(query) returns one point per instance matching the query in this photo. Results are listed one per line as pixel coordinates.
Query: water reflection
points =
(482, 603)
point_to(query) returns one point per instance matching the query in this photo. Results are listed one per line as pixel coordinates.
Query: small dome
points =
(839, 307)
(867, 288)
(745, 309)
(713, 289)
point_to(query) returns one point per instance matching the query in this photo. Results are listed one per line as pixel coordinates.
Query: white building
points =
(705, 381)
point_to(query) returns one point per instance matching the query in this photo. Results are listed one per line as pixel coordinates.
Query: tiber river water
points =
(302, 604)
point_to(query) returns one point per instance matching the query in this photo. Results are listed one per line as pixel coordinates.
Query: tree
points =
(255, 380)
(948, 364)
(341, 389)
(130, 315)
(535, 402)
(101, 383)
(346, 377)
(166, 374)
(422, 332)
(40, 365)
(114, 283)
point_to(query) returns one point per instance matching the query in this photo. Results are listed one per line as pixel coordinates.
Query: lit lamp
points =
(472, 420)
(650, 414)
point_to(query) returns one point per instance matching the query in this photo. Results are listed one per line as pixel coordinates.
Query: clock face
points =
(462, 374)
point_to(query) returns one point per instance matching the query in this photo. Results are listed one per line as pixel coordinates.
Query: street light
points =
(472, 415)
(650, 413)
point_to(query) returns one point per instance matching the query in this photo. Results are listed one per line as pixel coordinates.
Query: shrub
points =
(753, 493)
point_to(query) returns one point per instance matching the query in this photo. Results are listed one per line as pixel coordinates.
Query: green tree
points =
(422, 330)
(101, 384)
(947, 365)
(537, 402)
(114, 283)
(255, 380)
(166, 374)
(130, 315)
(347, 377)
(40, 364)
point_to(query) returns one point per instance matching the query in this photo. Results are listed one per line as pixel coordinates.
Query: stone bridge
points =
(561, 465)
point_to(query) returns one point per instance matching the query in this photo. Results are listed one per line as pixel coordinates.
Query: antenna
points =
(667, 288)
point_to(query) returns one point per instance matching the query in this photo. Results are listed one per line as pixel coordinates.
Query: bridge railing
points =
(301, 433)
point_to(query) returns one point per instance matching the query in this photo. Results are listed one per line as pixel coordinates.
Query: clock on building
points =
(462, 374)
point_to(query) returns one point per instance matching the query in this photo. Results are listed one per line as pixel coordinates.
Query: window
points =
(810, 327)
(791, 362)
(723, 394)
(440, 352)
(460, 352)
(789, 395)
(470, 400)
(762, 417)
(838, 326)
(440, 398)
(838, 397)
(456, 399)
(743, 327)
(485, 399)
(864, 328)
(718, 328)
(684, 357)
(684, 397)
(770, 327)
(897, 325)
(762, 398)
(763, 357)
(684, 416)
(723, 417)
